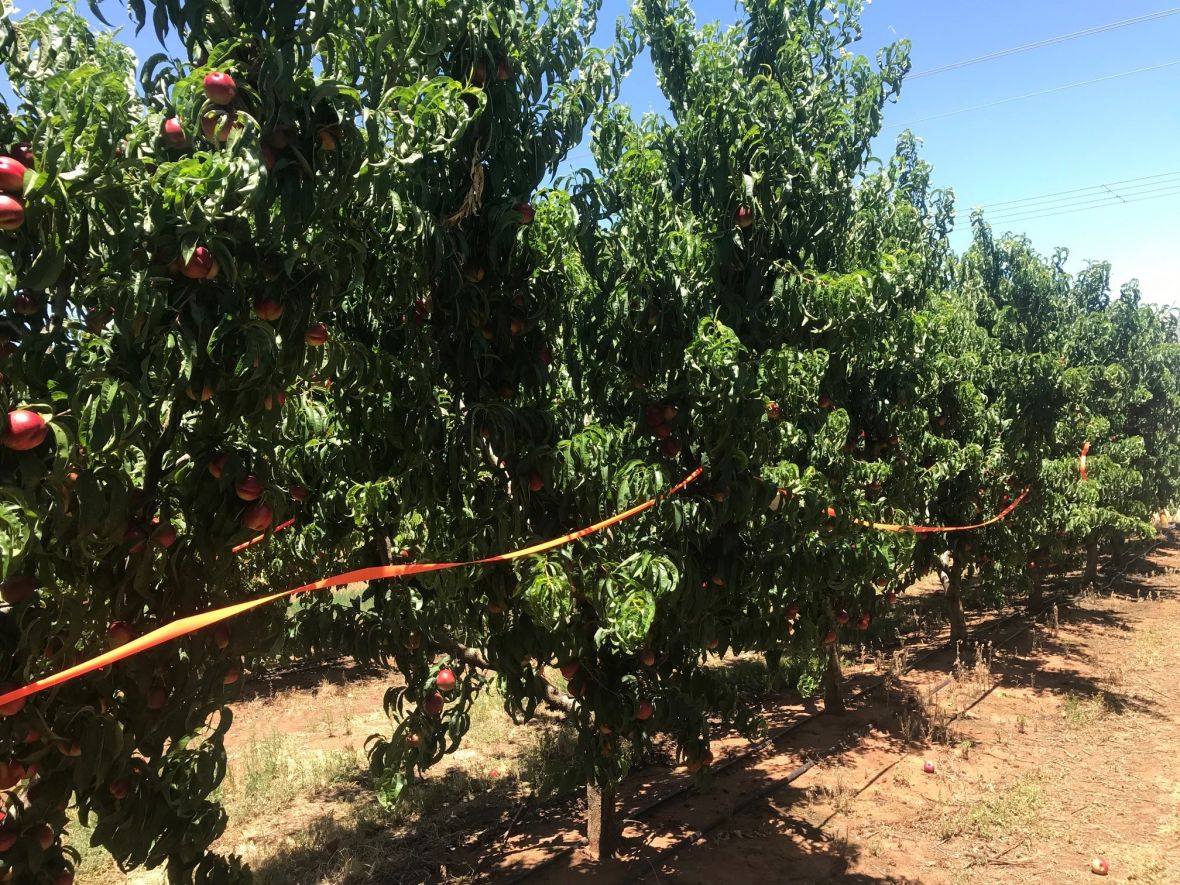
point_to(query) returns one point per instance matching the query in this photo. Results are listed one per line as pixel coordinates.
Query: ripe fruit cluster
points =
(17, 589)
(268, 309)
(642, 711)
(14, 169)
(316, 335)
(660, 418)
(219, 121)
(479, 73)
(120, 356)
(258, 516)
(219, 117)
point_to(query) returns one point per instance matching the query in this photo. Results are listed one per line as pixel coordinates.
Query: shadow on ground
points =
(309, 674)
(484, 831)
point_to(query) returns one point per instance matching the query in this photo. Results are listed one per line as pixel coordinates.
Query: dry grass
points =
(1150, 649)
(272, 773)
(300, 816)
(839, 795)
(275, 771)
(1082, 711)
(1011, 808)
(928, 717)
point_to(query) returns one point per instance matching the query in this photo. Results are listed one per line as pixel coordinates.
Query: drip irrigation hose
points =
(776, 735)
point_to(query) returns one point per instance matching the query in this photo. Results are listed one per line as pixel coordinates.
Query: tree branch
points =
(155, 458)
(556, 699)
(384, 545)
(57, 314)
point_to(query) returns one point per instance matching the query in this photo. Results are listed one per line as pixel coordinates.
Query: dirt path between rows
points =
(1050, 749)
(1057, 746)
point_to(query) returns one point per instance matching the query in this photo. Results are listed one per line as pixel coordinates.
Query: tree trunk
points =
(602, 826)
(1118, 553)
(383, 546)
(1035, 595)
(1091, 560)
(943, 567)
(833, 682)
(774, 665)
(545, 689)
(954, 603)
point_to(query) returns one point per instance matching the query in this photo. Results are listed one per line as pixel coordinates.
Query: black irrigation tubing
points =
(1120, 574)
(837, 748)
(745, 756)
(847, 742)
(948, 681)
(781, 732)
(844, 744)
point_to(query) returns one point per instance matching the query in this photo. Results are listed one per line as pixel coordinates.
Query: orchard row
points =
(353, 282)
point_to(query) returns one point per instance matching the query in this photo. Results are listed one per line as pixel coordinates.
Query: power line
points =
(1092, 204)
(1110, 193)
(1050, 41)
(1171, 192)
(1003, 53)
(1113, 193)
(1010, 222)
(992, 104)
(1107, 191)
(1039, 197)
(1109, 199)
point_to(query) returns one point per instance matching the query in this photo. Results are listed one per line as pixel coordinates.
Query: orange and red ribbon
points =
(935, 529)
(830, 512)
(1082, 460)
(193, 623)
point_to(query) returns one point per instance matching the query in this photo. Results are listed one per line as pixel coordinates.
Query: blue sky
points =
(1124, 128)
(1084, 137)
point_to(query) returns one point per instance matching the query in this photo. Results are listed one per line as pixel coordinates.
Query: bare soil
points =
(1051, 748)
(1056, 741)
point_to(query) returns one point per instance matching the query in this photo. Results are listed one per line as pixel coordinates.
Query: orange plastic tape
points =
(1082, 460)
(260, 538)
(934, 529)
(193, 623)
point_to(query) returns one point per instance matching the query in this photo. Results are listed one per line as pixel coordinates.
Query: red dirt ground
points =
(1054, 747)
(1050, 747)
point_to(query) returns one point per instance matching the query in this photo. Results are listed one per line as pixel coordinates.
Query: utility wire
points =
(1050, 41)
(1110, 190)
(1079, 199)
(1112, 199)
(1094, 204)
(1090, 204)
(578, 155)
(1109, 194)
(1084, 208)
(1011, 98)
(1039, 197)
(1003, 53)
(1087, 204)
